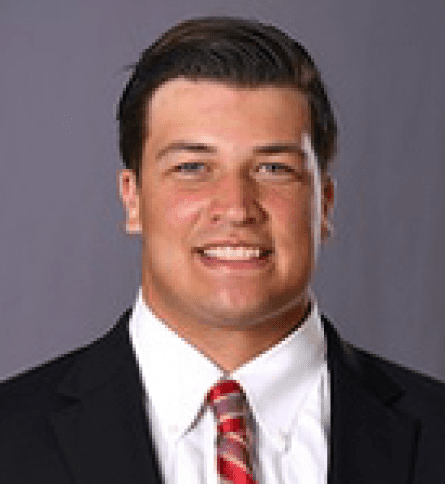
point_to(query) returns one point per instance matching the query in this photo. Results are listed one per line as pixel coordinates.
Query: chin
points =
(236, 315)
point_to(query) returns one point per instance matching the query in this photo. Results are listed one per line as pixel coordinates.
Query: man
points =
(224, 370)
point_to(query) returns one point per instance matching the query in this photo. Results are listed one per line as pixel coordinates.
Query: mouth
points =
(234, 258)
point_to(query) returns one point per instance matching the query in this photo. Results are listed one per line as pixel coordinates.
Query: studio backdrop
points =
(68, 270)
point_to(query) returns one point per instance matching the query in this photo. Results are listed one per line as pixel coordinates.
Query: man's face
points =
(223, 169)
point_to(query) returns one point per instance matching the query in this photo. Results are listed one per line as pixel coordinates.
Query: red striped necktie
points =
(234, 433)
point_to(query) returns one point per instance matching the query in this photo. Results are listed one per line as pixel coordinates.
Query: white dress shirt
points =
(287, 388)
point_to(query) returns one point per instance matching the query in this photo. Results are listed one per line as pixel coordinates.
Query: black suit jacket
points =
(81, 419)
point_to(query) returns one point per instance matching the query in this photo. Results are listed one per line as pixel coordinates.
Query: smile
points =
(230, 258)
(234, 253)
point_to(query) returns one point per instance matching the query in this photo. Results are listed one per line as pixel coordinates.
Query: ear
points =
(328, 199)
(129, 195)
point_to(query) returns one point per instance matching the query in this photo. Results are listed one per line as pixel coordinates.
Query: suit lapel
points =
(371, 442)
(104, 433)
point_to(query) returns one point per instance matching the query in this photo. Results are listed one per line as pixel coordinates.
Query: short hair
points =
(235, 51)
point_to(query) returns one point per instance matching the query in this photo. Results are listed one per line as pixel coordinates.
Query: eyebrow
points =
(185, 146)
(196, 147)
(278, 148)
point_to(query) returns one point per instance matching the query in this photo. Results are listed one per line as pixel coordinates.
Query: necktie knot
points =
(224, 387)
(227, 397)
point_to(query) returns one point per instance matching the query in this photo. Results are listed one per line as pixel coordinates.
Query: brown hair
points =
(240, 52)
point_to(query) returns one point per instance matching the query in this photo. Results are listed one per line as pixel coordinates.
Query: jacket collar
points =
(104, 433)
(106, 439)
(371, 441)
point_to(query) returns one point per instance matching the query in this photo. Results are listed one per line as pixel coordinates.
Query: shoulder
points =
(29, 401)
(36, 388)
(422, 393)
(388, 381)
(35, 391)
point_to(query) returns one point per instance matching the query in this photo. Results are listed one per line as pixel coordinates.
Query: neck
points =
(227, 346)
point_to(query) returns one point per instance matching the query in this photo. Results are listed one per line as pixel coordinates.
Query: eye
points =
(276, 168)
(190, 167)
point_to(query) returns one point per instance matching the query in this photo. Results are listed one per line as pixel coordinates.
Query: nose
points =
(235, 201)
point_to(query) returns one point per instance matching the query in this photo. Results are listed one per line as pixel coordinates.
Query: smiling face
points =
(225, 168)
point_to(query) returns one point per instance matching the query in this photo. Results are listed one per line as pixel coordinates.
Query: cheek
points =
(179, 210)
(291, 213)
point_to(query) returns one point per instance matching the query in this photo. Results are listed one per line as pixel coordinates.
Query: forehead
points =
(184, 104)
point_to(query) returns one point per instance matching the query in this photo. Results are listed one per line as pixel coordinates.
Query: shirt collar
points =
(278, 382)
(177, 376)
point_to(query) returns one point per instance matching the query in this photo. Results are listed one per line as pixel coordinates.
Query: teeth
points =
(233, 252)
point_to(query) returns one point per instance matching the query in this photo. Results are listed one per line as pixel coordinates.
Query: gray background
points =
(68, 271)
